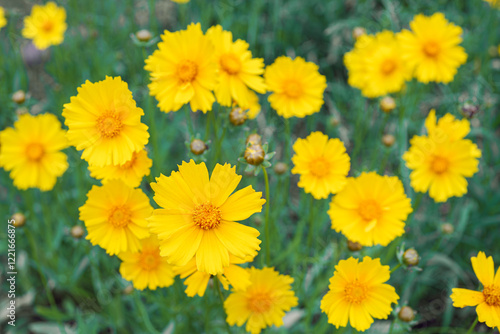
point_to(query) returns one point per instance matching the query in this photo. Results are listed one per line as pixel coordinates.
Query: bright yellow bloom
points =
(105, 123)
(432, 48)
(197, 281)
(181, 1)
(358, 293)
(263, 303)
(146, 268)
(183, 70)
(32, 151)
(3, 20)
(322, 163)
(130, 172)
(371, 209)
(375, 65)
(198, 217)
(494, 3)
(237, 71)
(487, 300)
(296, 85)
(442, 160)
(45, 25)
(115, 216)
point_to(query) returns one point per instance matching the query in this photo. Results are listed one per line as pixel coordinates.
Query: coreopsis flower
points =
(442, 160)
(198, 216)
(494, 3)
(370, 209)
(45, 25)
(183, 70)
(296, 87)
(115, 217)
(263, 303)
(3, 20)
(31, 151)
(181, 1)
(358, 294)
(146, 268)
(104, 121)
(376, 66)
(487, 300)
(237, 71)
(197, 281)
(432, 48)
(131, 172)
(322, 163)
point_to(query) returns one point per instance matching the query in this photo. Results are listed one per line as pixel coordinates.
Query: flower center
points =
(388, 66)
(130, 163)
(439, 165)
(370, 210)
(431, 49)
(120, 216)
(230, 63)
(355, 292)
(187, 71)
(319, 167)
(35, 152)
(207, 216)
(109, 124)
(292, 88)
(259, 302)
(491, 295)
(149, 260)
(48, 26)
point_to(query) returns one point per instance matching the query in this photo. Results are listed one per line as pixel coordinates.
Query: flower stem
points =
(266, 222)
(221, 297)
(311, 224)
(471, 329)
(395, 268)
(144, 314)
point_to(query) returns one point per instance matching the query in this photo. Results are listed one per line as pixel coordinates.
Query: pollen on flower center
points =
(388, 66)
(355, 292)
(149, 259)
(48, 26)
(319, 167)
(370, 210)
(259, 302)
(431, 49)
(119, 216)
(491, 295)
(439, 165)
(187, 71)
(292, 88)
(109, 124)
(207, 216)
(230, 63)
(35, 151)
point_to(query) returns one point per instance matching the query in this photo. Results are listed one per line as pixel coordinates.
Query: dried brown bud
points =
(357, 32)
(354, 246)
(254, 154)
(19, 219)
(143, 35)
(447, 228)
(19, 97)
(411, 257)
(280, 168)
(237, 116)
(254, 139)
(77, 231)
(387, 104)
(388, 140)
(198, 146)
(406, 314)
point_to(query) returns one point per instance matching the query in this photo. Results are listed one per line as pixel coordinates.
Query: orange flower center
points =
(47, 26)
(131, 162)
(491, 295)
(35, 152)
(259, 302)
(207, 216)
(230, 63)
(388, 66)
(439, 165)
(120, 216)
(355, 292)
(150, 260)
(431, 49)
(370, 210)
(109, 124)
(292, 88)
(187, 71)
(319, 167)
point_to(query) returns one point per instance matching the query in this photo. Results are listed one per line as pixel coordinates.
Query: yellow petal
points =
(464, 297)
(242, 204)
(484, 268)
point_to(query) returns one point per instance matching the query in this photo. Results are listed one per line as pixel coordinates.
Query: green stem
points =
(207, 129)
(221, 297)
(392, 325)
(144, 314)
(471, 329)
(395, 268)
(311, 224)
(266, 222)
(189, 121)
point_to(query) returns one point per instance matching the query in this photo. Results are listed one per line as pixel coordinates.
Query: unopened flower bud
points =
(334, 121)
(198, 146)
(143, 35)
(280, 168)
(387, 104)
(77, 231)
(254, 139)
(21, 111)
(237, 116)
(447, 228)
(411, 257)
(254, 154)
(469, 110)
(388, 140)
(19, 97)
(19, 219)
(354, 246)
(406, 314)
(128, 290)
(357, 32)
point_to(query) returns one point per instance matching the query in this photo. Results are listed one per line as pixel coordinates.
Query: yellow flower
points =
(197, 281)
(31, 151)
(487, 300)
(432, 48)
(45, 25)
(131, 172)
(263, 303)
(198, 217)
(146, 268)
(181, 1)
(3, 20)
(237, 71)
(442, 160)
(296, 85)
(105, 123)
(183, 70)
(371, 209)
(358, 294)
(115, 216)
(494, 3)
(375, 65)
(322, 163)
